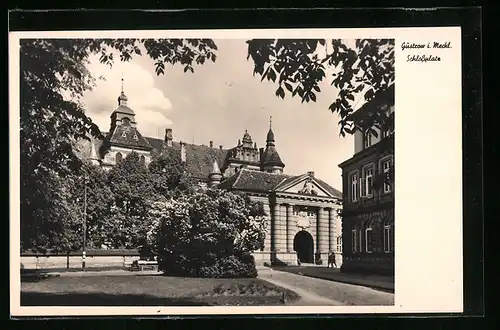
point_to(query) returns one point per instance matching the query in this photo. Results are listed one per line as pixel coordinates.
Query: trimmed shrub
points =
(208, 233)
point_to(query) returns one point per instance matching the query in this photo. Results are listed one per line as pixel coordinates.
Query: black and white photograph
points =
(217, 170)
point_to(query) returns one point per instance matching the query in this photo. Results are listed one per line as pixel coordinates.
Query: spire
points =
(122, 99)
(270, 159)
(270, 134)
(215, 176)
(215, 168)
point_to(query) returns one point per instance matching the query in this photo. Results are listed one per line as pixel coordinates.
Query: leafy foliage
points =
(90, 190)
(298, 67)
(168, 175)
(209, 233)
(50, 221)
(53, 78)
(132, 191)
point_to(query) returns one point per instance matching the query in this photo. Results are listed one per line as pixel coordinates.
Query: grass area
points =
(150, 290)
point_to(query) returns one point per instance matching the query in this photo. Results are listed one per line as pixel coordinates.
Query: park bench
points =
(141, 265)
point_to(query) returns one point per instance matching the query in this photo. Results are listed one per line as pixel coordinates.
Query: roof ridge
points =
(284, 179)
(328, 185)
(238, 177)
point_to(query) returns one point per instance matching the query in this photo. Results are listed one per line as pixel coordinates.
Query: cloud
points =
(151, 106)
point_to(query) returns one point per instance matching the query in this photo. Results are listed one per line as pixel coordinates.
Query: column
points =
(282, 228)
(274, 227)
(331, 231)
(267, 239)
(323, 231)
(289, 228)
(318, 230)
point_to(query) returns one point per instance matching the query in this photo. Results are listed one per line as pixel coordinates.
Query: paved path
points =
(316, 291)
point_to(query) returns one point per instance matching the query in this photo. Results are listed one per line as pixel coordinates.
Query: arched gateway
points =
(303, 244)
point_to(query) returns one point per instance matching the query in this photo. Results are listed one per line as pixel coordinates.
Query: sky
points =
(218, 102)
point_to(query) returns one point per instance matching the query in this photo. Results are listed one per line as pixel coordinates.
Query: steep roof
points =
(271, 157)
(123, 135)
(332, 191)
(253, 180)
(199, 159)
(259, 181)
(124, 109)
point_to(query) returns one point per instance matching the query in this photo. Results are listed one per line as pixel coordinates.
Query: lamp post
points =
(84, 220)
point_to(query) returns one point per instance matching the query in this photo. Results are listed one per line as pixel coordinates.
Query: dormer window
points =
(367, 139)
(124, 135)
(135, 137)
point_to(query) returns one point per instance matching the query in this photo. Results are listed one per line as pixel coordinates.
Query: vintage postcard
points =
(181, 172)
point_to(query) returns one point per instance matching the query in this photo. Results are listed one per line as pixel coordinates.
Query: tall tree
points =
(53, 77)
(168, 175)
(50, 221)
(133, 193)
(92, 197)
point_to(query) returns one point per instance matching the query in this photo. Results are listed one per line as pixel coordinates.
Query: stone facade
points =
(368, 202)
(303, 226)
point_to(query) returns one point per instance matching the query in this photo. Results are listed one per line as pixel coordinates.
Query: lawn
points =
(151, 290)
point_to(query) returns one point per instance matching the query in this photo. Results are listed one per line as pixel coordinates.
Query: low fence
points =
(73, 260)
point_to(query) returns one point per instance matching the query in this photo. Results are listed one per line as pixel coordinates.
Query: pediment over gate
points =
(305, 185)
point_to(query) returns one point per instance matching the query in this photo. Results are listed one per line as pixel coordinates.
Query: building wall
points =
(375, 212)
(282, 228)
(75, 262)
(378, 261)
(110, 157)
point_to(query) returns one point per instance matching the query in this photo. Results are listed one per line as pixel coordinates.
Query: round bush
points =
(208, 233)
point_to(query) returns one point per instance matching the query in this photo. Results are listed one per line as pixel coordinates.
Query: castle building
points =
(368, 200)
(304, 210)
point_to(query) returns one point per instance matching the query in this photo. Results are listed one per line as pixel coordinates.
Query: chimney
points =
(211, 144)
(311, 174)
(168, 137)
(220, 147)
(183, 152)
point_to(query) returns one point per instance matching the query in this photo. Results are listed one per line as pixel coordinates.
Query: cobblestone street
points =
(316, 291)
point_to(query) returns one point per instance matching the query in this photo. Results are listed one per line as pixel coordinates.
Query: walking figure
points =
(331, 259)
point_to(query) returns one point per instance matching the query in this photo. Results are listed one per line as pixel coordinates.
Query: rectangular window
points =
(354, 187)
(387, 239)
(368, 240)
(367, 182)
(360, 247)
(367, 139)
(386, 167)
(354, 241)
(339, 244)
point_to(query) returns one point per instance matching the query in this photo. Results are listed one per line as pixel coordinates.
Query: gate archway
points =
(303, 244)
